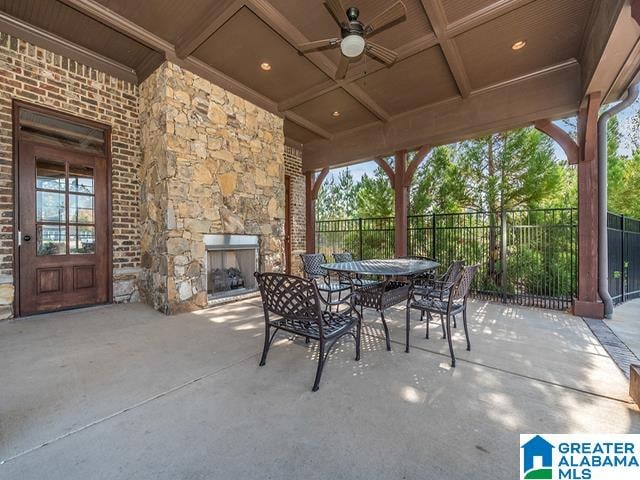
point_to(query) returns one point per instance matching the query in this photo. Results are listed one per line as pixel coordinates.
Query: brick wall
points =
(35, 75)
(293, 168)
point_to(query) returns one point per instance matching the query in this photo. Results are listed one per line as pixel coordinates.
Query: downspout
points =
(603, 243)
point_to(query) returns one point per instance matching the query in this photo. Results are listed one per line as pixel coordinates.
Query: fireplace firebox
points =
(231, 261)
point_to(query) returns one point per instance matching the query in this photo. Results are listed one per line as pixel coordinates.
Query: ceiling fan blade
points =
(341, 71)
(382, 53)
(327, 42)
(390, 15)
(337, 10)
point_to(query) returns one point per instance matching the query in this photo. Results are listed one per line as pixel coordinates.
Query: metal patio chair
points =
(311, 265)
(298, 304)
(437, 287)
(454, 303)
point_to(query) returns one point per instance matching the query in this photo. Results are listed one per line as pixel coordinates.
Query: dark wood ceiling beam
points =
(278, 22)
(312, 127)
(123, 25)
(310, 94)
(216, 16)
(484, 15)
(18, 28)
(438, 18)
(551, 94)
(406, 51)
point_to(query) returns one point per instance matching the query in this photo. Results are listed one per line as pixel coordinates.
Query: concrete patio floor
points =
(123, 392)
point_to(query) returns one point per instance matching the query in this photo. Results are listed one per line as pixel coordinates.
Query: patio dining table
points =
(397, 274)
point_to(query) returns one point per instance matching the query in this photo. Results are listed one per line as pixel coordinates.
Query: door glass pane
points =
(80, 208)
(82, 239)
(50, 175)
(80, 179)
(50, 207)
(52, 239)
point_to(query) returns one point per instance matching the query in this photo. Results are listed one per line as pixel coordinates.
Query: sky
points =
(624, 117)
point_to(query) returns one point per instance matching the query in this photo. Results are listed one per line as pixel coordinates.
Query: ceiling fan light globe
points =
(352, 46)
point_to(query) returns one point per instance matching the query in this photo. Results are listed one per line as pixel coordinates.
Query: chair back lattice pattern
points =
(463, 286)
(311, 264)
(290, 296)
(452, 273)
(343, 257)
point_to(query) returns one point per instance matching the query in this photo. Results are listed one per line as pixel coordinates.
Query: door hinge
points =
(19, 238)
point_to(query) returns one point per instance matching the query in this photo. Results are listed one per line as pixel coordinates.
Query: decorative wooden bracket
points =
(563, 139)
(403, 176)
(317, 182)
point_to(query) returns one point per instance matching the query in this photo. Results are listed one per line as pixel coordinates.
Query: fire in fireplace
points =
(231, 261)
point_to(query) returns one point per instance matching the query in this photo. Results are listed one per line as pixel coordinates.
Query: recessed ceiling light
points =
(335, 114)
(265, 66)
(520, 44)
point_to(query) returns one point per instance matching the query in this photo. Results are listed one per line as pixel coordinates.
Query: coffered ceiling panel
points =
(457, 9)
(416, 81)
(242, 44)
(300, 134)
(552, 29)
(320, 109)
(313, 19)
(153, 14)
(75, 27)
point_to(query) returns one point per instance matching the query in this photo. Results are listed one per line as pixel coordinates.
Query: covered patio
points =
(154, 156)
(123, 391)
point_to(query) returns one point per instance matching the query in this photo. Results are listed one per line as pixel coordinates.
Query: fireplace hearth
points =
(231, 261)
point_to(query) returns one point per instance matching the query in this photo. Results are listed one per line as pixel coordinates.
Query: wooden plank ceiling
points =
(448, 50)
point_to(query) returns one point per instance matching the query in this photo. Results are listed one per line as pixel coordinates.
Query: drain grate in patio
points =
(616, 348)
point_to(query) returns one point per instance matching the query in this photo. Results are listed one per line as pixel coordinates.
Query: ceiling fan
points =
(354, 33)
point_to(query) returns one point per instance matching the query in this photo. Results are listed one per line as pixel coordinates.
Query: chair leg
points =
(267, 343)
(466, 329)
(306, 340)
(453, 358)
(358, 337)
(444, 333)
(386, 331)
(316, 383)
(455, 325)
(408, 314)
(422, 315)
(428, 322)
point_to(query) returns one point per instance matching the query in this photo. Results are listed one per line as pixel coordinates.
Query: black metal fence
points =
(526, 257)
(624, 257)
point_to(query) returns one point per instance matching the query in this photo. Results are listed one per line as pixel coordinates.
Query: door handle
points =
(26, 238)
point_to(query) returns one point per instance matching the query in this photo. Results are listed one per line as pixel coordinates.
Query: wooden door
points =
(287, 223)
(64, 257)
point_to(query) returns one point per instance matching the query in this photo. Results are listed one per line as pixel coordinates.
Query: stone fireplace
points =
(212, 172)
(231, 261)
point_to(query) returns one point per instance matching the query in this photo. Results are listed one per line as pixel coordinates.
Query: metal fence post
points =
(503, 254)
(433, 236)
(623, 273)
(360, 237)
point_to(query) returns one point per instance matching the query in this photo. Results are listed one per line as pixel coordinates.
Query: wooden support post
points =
(402, 203)
(587, 303)
(400, 178)
(584, 154)
(635, 10)
(312, 187)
